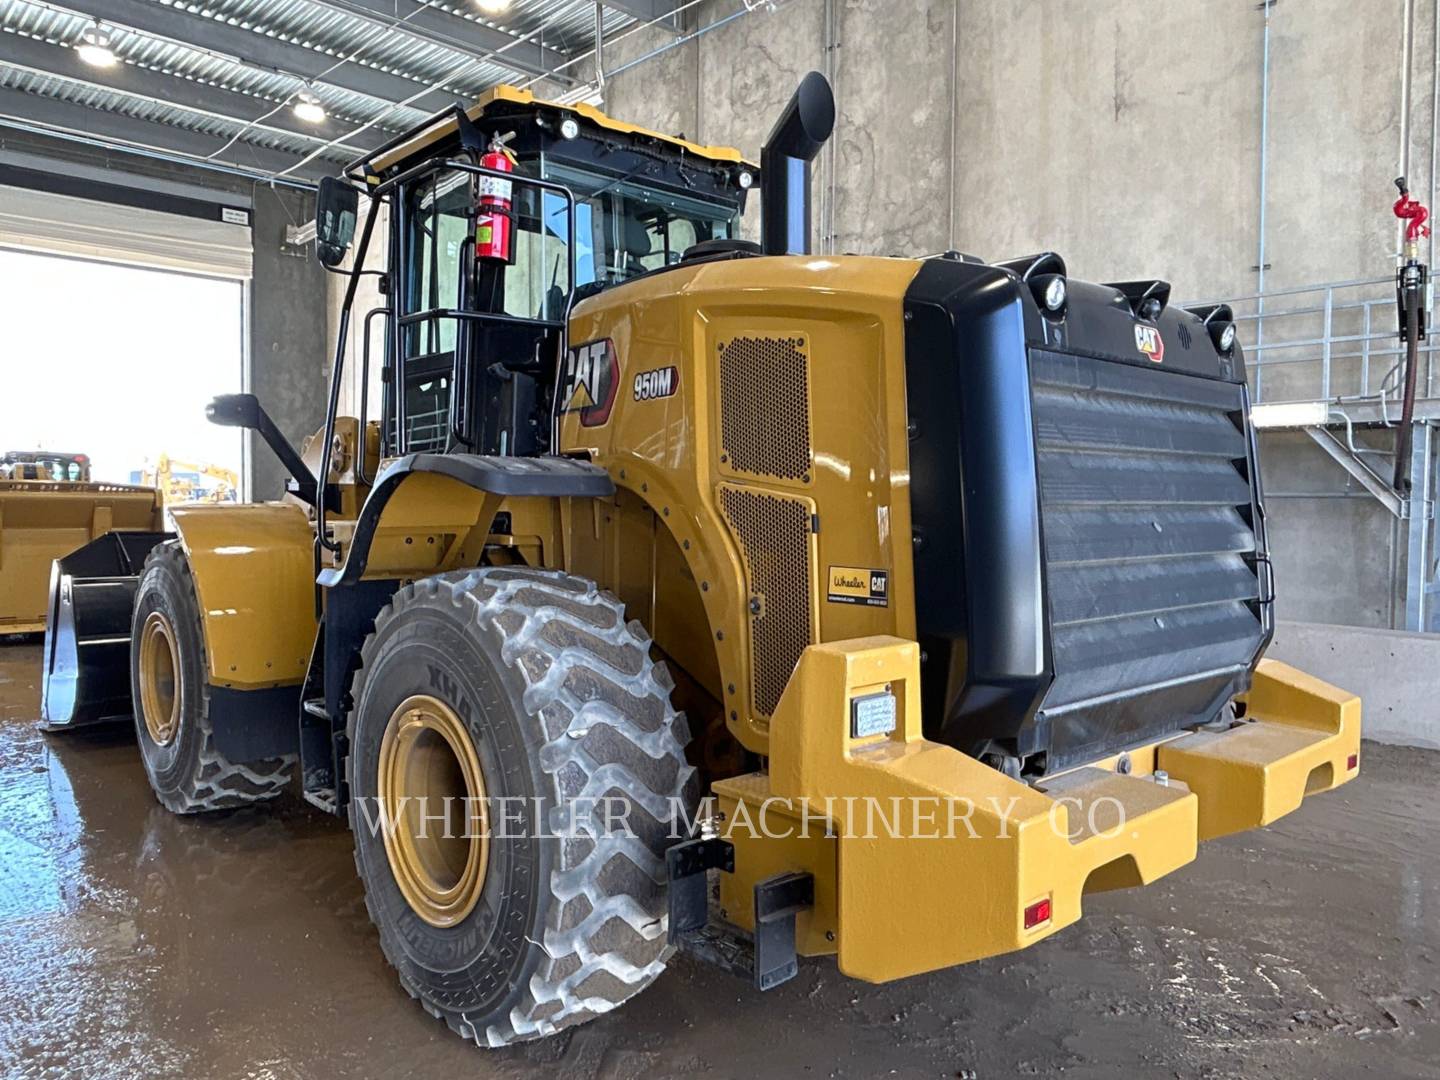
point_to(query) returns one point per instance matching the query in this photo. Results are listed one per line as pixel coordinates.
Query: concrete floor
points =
(134, 943)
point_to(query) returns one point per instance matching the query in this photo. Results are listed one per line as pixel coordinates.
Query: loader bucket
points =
(87, 633)
(41, 521)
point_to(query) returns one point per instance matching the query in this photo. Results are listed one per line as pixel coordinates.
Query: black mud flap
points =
(87, 631)
(767, 958)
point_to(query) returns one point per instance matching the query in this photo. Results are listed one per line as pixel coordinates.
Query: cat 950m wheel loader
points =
(957, 570)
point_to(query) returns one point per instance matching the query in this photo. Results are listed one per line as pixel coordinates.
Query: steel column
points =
(1417, 527)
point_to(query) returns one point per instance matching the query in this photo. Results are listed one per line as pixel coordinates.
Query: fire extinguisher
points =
(493, 221)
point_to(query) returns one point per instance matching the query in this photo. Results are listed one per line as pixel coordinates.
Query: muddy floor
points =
(137, 944)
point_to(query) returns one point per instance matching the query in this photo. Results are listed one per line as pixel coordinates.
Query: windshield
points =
(626, 229)
(46, 466)
(623, 229)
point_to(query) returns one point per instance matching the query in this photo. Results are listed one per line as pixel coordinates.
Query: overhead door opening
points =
(117, 362)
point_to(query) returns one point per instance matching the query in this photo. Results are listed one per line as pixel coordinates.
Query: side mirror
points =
(234, 410)
(337, 205)
(245, 411)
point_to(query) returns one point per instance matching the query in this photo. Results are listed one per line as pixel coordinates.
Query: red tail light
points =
(1353, 763)
(1037, 913)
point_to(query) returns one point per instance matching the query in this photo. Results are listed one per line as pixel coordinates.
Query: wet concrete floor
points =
(137, 944)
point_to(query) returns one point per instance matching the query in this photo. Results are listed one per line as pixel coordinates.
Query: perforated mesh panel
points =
(774, 534)
(765, 405)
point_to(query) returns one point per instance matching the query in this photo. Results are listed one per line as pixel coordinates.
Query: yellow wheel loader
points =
(48, 507)
(958, 571)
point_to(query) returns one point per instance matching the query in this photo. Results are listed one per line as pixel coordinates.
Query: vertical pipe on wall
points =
(1434, 116)
(1407, 53)
(831, 162)
(1434, 126)
(600, 48)
(1264, 179)
(954, 118)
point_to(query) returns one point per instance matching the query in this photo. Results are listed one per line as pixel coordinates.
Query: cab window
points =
(443, 276)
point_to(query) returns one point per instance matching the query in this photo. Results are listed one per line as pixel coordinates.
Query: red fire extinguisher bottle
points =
(493, 222)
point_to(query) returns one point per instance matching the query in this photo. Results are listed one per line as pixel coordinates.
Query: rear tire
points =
(172, 699)
(563, 707)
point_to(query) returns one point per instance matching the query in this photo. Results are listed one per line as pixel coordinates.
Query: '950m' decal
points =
(662, 382)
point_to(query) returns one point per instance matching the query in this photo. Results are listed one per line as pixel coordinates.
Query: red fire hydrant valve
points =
(1411, 211)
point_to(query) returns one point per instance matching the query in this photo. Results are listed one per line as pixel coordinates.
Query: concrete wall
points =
(286, 309)
(1125, 136)
(1392, 672)
(289, 367)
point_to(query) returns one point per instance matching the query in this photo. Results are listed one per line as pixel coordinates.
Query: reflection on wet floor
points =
(137, 944)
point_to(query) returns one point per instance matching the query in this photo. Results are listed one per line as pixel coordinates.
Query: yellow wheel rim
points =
(159, 679)
(432, 800)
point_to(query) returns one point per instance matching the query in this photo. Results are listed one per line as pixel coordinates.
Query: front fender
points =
(254, 574)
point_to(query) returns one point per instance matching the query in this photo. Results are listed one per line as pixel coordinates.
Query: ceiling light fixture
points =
(308, 108)
(494, 7)
(94, 47)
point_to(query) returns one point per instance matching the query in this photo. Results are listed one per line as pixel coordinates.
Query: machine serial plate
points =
(873, 714)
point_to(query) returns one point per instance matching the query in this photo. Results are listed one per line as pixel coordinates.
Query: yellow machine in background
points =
(185, 481)
(978, 548)
(48, 508)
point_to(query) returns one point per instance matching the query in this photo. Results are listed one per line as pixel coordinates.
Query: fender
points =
(254, 578)
(457, 496)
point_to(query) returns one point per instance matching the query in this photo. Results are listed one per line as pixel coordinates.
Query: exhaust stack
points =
(785, 166)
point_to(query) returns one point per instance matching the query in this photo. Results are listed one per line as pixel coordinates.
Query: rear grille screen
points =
(774, 535)
(1146, 512)
(765, 405)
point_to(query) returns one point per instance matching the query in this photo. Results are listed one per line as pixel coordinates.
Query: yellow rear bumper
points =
(923, 858)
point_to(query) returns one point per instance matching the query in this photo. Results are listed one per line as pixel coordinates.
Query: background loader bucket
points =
(87, 635)
(41, 521)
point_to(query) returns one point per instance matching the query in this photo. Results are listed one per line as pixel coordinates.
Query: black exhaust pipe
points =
(785, 166)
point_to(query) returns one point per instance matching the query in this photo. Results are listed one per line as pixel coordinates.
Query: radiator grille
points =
(765, 405)
(1151, 572)
(774, 536)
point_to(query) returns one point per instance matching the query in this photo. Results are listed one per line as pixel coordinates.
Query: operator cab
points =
(44, 465)
(476, 326)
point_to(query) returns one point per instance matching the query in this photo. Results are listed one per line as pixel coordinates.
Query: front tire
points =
(525, 689)
(172, 699)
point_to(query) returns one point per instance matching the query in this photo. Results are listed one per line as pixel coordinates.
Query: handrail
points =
(363, 439)
(1326, 325)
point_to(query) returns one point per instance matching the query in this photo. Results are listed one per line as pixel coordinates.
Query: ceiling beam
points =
(63, 62)
(32, 109)
(440, 27)
(645, 10)
(254, 49)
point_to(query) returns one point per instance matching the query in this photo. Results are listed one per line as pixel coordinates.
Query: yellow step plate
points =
(1301, 736)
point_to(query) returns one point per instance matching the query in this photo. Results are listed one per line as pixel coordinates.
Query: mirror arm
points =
(245, 411)
(307, 488)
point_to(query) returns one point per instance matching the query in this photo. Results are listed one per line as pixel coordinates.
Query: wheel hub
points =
(159, 679)
(433, 812)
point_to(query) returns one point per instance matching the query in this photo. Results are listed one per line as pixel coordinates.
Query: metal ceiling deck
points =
(214, 80)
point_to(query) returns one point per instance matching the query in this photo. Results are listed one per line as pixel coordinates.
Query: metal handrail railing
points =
(1326, 325)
